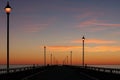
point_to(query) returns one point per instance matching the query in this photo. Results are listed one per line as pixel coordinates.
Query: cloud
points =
(63, 48)
(94, 41)
(94, 25)
(95, 49)
(117, 33)
(95, 22)
(89, 23)
(105, 49)
(109, 25)
(89, 14)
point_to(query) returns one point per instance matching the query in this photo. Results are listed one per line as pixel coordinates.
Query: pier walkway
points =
(60, 73)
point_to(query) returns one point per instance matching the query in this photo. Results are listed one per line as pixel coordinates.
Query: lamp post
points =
(8, 10)
(83, 39)
(71, 57)
(51, 59)
(44, 55)
(67, 60)
(64, 61)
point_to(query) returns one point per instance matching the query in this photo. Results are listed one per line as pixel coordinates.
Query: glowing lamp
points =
(8, 8)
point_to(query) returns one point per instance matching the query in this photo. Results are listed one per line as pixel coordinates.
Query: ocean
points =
(15, 66)
(21, 65)
(107, 66)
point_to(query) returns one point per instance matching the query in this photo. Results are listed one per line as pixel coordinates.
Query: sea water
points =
(106, 66)
(15, 66)
(28, 65)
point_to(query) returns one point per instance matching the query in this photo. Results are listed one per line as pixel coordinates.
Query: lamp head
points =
(8, 8)
(83, 38)
(44, 46)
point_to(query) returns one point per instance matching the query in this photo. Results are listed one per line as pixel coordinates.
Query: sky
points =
(60, 25)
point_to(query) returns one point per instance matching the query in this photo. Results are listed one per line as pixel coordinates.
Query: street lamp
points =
(71, 57)
(51, 59)
(67, 60)
(44, 55)
(8, 10)
(83, 39)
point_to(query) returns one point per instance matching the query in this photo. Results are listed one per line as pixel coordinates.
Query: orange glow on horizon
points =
(93, 55)
(95, 41)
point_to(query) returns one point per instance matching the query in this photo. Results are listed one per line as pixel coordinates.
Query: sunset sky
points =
(59, 25)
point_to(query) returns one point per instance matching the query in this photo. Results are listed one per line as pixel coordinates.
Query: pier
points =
(60, 72)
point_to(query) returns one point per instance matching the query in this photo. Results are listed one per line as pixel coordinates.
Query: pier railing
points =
(102, 69)
(12, 70)
(99, 69)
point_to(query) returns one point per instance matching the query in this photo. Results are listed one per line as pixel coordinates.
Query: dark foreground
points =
(60, 73)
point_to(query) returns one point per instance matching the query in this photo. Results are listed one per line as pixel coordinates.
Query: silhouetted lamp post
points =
(51, 59)
(44, 55)
(8, 10)
(71, 57)
(83, 39)
(67, 60)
